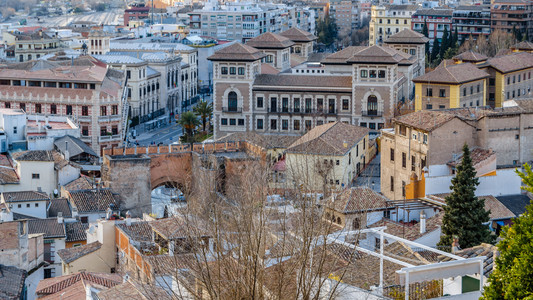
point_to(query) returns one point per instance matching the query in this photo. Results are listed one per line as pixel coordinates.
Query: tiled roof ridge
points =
(72, 279)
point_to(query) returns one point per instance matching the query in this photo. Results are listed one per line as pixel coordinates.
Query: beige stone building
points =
(33, 45)
(358, 85)
(425, 142)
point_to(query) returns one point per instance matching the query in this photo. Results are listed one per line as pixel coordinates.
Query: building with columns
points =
(358, 85)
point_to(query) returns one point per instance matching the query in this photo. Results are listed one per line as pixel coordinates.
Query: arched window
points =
(372, 106)
(232, 101)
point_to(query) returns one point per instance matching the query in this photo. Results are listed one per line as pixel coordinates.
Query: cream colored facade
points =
(102, 260)
(316, 172)
(387, 20)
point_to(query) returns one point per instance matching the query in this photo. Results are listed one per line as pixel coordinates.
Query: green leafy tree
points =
(189, 121)
(464, 213)
(204, 110)
(513, 275)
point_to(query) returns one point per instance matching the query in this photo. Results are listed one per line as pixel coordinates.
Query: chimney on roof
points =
(128, 218)
(67, 154)
(108, 213)
(422, 222)
(60, 217)
(5, 216)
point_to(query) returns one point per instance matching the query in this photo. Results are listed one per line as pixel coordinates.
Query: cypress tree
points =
(455, 38)
(425, 32)
(464, 213)
(445, 42)
(435, 50)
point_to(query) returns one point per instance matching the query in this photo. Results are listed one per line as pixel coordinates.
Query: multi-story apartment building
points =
(32, 45)
(436, 19)
(451, 86)
(471, 20)
(242, 21)
(513, 14)
(181, 78)
(137, 11)
(387, 20)
(509, 77)
(346, 15)
(358, 85)
(144, 88)
(83, 88)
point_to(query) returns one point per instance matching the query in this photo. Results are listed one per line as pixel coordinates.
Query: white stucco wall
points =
(38, 211)
(506, 182)
(32, 281)
(67, 174)
(46, 181)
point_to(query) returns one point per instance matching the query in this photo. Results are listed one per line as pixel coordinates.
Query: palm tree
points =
(189, 121)
(204, 110)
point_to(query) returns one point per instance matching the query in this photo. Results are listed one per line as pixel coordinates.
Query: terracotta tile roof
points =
(297, 35)
(24, 196)
(82, 183)
(268, 69)
(515, 203)
(470, 56)
(334, 138)
(12, 281)
(512, 62)
(477, 154)
(341, 57)
(490, 251)
(427, 120)
(133, 291)
(408, 36)
(381, 55)
(410, 232)
(498, 211)
(239, 52)
(357, 199)
(453, 74)
(7, 172)
(434, 12)
(69, 255)
(166, 264)
(94, 200)
(50, 227)
(269, 40)
(55, 286)
(524, 45)
(137, 231)
(76, 231)
(177, 227)
(303, 81)
(58, 205)
(266, 141)
(33, 155)
(84, 68)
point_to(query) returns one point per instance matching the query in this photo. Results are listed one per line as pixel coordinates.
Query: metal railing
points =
(232, 109)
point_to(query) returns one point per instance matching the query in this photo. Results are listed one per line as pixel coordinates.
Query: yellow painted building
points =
(387, 20)
(452, 86)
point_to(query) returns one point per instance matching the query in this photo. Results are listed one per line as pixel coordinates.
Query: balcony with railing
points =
(109, 138)
(232, 109)
(309, 111)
